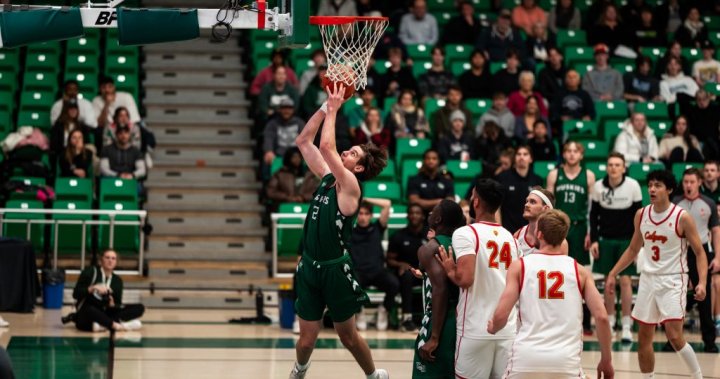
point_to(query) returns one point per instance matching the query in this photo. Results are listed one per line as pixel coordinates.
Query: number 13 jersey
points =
(665, 251)
(495, 249)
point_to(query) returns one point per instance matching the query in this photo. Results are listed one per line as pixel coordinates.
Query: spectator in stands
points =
(632, 11)
(319, 60)
(110, 99)
(464, 28)
(314, 95)
(442, 120)
(507, 79)
(121, 159)
(289, 184)
(692, 32)
(368, 8)
(594, 11)
(674, 50)
(603, 82)
(564, 15)
(78, 159)
(499, 114)
(527, 14)
(639, 85)
(368, 258)
(490, 145)
(407, 119)
(572, 102)
(121, 118)
(541, 144)
(281, 131)
(390, 40)
(704, 121)
(706, 70)
(518, 99)
(373, 130)
(500, 38)
(268, 74)
(437, 80)
(402, 255)
(430, 186)
(374, 78)
(274, 92)
(356, 115)
(677, 87)
(71, 89)
(610, 31)
(525, 123)
(711, 184)
(517, 183)
(476, 83)
(537, 44)
(67, 122)
(418, 26)
(647, 32)
(552, 76)
(337, 8)
(678, 145)
(458, 143)
(637, 141)
(397, 77)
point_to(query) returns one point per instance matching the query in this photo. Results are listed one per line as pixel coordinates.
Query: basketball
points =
(347, 73)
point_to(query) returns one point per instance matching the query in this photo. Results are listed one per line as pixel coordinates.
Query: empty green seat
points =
(126, 238)
(461, 188)
(83, 45)
(660, 127)
(624, 68)
(410, 148)
(653, 110)
(9, 59)
(611, 129)
(20, 229)
(596, 150)
(579, 128)
(654, 53)
(441, 5)
(431, 106)
(543, 168)
(597, 168)
(383, 190)
(579, 54)
(409, 169)
(464, 171)
(640, 171)
(679, 168)
(458, 68)
(645, 194)
(37, 100)
(692, 55)
(121, 63)
(712, 88)
(70, 235)
(52, 47)
(7, 101)
(82, 63)
(454, 52)
(37, 118)
(288, 242)
(388, 173)
(571, 38)
(74, 189)
(419, 51)
(116, 189)
(42, 61)
(126, 82)
(420, 67)
(497, 66)
(611, 110)
(8, 82)
(40, 81)
(381, 66)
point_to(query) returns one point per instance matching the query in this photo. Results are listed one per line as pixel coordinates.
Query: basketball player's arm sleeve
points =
(509, 297)
(438, 279)
(310, 152)
(464, 247)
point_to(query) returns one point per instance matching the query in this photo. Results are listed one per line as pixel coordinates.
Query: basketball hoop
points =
(348, 43)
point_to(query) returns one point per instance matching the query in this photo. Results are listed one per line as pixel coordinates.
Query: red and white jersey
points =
(550, 303)
(495, 249)
(523, 246)
(665, 251)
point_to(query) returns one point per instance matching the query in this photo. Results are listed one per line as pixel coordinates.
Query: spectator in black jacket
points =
(437, 80)
(281, 131)
(647, 32)
(490, 145)
(459, 143)
(692, 32)
(507, 79)
(501, 37)
(397, 78)
(552, 76)
(572, 102)
(639, 85)
(476, 83)
(463, 28)
(704, 121)
(77, 160)
(610, 30)
(429, 187)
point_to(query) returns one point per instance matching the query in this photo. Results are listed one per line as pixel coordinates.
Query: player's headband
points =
(542, 197)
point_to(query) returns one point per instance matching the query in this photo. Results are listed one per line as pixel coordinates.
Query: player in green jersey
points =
(435, 343)
(324, 274)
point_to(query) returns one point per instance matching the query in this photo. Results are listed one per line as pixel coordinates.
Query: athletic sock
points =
(302, 367)
(626, 322)
(611, 319)
(687, 355)
(648, 375)
(373, 375)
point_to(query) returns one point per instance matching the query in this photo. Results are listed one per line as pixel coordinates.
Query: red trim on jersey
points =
(522, 274)
(457, 351)
(488, 223)
(671, 319)
(663, 220)
(677, 222)
(477, 240)
(525, 236)
(458, 376)
(643, 322)
(261, 14)
(577, 277)
(683, 255)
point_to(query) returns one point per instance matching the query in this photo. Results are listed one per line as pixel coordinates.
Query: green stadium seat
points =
(419, 51)
(611, 129)
(443, 17)
(389, 173)
(654, 53)
(712, 23)
(660, 127)
(596, 150)
(640, 171)
(37, 118)
(461, 188)
(40, 81)
(303, 65)
(478, 107)
(497, 66)
(81, 63)
(653, 110)
(87, 83)
(410, 148)
(579, 128)
(431, 106)
(455, 52)
(42, 61)
(383, 190)
(304, 53)
(692, 55)
(487, 17)
(543, 168)
(276, 165)
(464, 171)
(9, 60)
(20, 230)
(571, 38)
(70, 236)
(420, 67)
(6, 124)
(398, 217)
(582, 68)
(121, 63)
(83, 45)
(113, 47)
(597, 168)
(126, 238)
(74, 189)
(645, 194)
(52, 47)
(7, 101)
(611, 110)
(458, 68)
(714, 37)
(409, 168)
(441, 5)
(388, 103)
(288, 241)
(8, 82)
(679, 168)
(712, 88)
(624, 68)
(128, 83)
(37, 100)
(381, 66)
(116, 189)
(578, 54)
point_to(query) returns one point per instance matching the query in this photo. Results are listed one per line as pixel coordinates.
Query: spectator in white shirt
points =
(71, 89)
(418, 26)
(109, 100)
(706, 70)
(637, 141)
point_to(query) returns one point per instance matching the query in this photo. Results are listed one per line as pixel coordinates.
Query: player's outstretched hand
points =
(700, 292)
(336, 95)
(445, 258)
(605, 370)
(427, 351)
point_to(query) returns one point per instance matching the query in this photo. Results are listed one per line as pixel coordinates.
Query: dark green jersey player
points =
(435, 343)
(571, 185)
(324, 274)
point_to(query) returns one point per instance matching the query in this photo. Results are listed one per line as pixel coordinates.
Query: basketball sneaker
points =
(627, 336)
(379, 374)
(382, 318)
(298, 373)
(3, 323)
(132, 325)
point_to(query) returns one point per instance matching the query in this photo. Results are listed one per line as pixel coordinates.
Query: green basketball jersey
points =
(571, 196)
(453, 294)
(327, 232)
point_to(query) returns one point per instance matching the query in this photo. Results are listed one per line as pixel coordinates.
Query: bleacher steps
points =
(206, 223)
(203, 177)
(193, 199)
(207, 270)
(178, 134)
(209, 248)
(198, 46)
(202, 155)
(219, 299)
(196, 115)
(197, 96)
(168, 78)
(219, 61)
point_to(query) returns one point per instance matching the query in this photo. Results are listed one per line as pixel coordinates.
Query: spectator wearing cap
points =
(267, 75)
(121, 159)
(527, 14)
(441, 118)
(71, 90)
(497, 40)
(281, 131)
(418, 26)
(318, 58)
(459, 143)
(603, 82)
(476, 82)
(640, 85)
(706, 70)
(121, 118)
(110, 99)
(463, 28)
(274, 92)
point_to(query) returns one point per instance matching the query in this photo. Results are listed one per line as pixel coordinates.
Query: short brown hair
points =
(374, 161)
(615, 154)
(554, 225)
(580, 146)
(548, 194)
(367, 206)
(693, 171)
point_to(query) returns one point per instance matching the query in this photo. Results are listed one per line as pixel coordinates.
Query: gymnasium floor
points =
(176, 344)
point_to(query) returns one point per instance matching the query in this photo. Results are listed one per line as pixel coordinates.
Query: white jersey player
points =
(549, 288)
(664, 230)
(484, 251)
(537, 202)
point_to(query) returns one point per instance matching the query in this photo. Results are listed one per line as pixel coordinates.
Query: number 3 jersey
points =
(664, 250)
(550, 335)
(495, 249)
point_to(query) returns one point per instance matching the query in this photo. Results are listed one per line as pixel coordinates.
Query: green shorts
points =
(610, 252)
(328, 284)
(576, 242)
(444, 365)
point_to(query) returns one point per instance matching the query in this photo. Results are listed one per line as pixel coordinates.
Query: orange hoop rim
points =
(340, 20)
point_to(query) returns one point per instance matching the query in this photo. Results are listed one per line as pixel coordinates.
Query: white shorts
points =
(660, 298)
(481, 359)
(542, 375)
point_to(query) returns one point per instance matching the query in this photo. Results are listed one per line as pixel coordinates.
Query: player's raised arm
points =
(305, 142)
(596, 304)
(687, 224)
(509, 297)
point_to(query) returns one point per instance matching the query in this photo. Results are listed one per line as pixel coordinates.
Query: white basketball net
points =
(348, 48)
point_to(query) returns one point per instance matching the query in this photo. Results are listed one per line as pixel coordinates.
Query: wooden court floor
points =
(175, 344)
